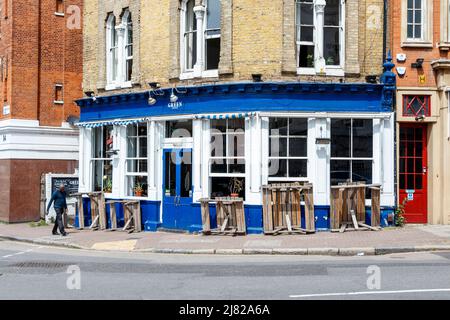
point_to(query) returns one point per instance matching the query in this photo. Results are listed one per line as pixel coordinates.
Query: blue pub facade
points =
(170, 147)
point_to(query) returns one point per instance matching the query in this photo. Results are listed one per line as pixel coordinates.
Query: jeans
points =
(59, 221)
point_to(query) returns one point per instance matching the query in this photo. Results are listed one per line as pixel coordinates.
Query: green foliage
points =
(399, 217)
(40, 223)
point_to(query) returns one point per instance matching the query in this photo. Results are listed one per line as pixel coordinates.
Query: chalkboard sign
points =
(70, 184)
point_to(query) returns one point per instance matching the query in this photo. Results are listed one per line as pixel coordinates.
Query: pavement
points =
(32, 271)
(412, 238)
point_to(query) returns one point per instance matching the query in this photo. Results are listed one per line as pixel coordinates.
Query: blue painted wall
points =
(191, 220)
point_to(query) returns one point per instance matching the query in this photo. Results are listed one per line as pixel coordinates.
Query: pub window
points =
(415, 106)
(227, 159)
(351, 150)
(102, 158)
(288, 148)
(179, 129)
(212, 35)
(136, 161)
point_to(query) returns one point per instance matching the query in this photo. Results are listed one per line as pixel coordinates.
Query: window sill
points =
(204, 74)
(59, 14)
(58, 102)
(444, 46)
(116, 86)
(334, 72)
(417, 44)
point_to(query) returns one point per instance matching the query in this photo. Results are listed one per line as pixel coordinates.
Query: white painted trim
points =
(25, 139)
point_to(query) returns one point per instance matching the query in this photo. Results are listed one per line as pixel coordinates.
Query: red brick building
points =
(41, 74)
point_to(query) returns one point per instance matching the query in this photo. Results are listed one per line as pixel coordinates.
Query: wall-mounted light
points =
(173, 97)
(152, 95)
(154, 85)
(418, 64)
(420, 117)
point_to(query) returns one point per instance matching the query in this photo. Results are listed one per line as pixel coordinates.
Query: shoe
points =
(64, 234)
(55, 233)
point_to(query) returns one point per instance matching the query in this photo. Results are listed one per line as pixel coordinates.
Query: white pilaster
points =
(197, 126)
(319, 64)
(199, 15)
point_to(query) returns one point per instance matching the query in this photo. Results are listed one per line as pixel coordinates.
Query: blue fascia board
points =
(240, 97)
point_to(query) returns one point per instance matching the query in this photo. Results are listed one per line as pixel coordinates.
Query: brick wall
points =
(42, 51)
(256, 42)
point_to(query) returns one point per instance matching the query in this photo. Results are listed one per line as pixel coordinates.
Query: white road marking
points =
(17, 253)
(356, 293)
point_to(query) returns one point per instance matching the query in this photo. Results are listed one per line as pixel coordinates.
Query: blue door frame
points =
(177, 187)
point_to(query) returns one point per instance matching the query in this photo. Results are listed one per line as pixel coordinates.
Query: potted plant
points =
(236, 185)
(138, 190)
(107, 184)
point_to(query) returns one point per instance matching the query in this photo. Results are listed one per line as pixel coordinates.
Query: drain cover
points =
(41, 265)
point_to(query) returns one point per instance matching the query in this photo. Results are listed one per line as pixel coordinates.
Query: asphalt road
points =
(38, 272)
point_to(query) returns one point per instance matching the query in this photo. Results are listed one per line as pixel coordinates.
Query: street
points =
(39, 272)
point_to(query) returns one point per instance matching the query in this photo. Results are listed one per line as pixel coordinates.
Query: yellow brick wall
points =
(257, 42)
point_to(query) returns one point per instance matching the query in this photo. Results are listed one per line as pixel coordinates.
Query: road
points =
(37, 272)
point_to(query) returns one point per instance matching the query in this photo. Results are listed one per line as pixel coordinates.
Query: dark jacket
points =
(59, 198)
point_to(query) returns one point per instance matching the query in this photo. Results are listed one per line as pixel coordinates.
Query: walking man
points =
(60, 205)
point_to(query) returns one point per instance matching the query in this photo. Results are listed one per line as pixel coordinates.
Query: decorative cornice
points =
(262, 88)
(440, 64)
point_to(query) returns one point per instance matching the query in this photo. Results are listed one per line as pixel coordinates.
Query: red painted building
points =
(41, 74)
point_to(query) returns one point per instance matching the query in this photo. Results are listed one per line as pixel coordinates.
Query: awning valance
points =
(117, 122)
(225, 115)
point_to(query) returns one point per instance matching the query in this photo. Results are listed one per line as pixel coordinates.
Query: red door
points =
(413, 171)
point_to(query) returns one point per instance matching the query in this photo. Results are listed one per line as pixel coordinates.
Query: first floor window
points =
(59, 7)
(306, 33)
(190, 36)
(351, 150)
(212, 35)
(414, 19)
(136, 161)
(101, 161)
(414, 106)
(227, 159)
(288, 148)
(128, 45)
(59, 93)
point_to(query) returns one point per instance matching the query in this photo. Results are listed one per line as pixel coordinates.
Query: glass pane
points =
(362, 138)
(306, 56)
(218, 145)
(410, 165)
(170, 175)
(137, 186)
(278, 147)
(218, 126)
(298, 127)
(410, 181)
(307, 33)
(410, 31)
(402, 181)
(142, 165)
(410, 4)
(418, 16)
(297, 147)
(418, 167)
(418, 181)
(278, 126)
(132, 147)
(224, 186)
(306, 14)
(331, 46)
(418, 149)
(402, 165)
(297, 168)
(186, 175)
(191, 49)
(132, 166)
(362, 171)
(142, 147)
(340, 137)
(410, 16)
(212, 53)
(179, 129)
(339, 171)
(236, 165)
(236, 145)
(218, 166)
(213, 14)
(332, 13)
(418, 4)
(278, 168)
(236, 125)
(418, 31)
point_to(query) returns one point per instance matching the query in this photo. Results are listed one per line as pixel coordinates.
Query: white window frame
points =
(427, 26)
(351, 158)
(137, 173)
(94, 159)
(198, 70)
(330, 70)
(121, 34)
(287, 157)
(128, 23)
(59, 85)
(422, 23)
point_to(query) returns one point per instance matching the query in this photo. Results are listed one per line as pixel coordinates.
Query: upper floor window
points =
(415, 19)
(119, 51)
(416, 106)
(200, 45)
(59, 7)
(320, 35)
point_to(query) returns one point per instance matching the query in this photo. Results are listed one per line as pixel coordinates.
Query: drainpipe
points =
(385, 24)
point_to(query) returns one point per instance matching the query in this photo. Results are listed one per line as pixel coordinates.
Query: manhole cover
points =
(40, 265)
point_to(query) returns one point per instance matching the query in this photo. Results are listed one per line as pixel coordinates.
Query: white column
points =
(320, 12)
(152, 163)
(84, 157)
(199, 15)
(120, 29)
(319, 159)
(197, 158)
(119, 162)
(255, 155)
(264, 134)
(388, 160)
(206, 151)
